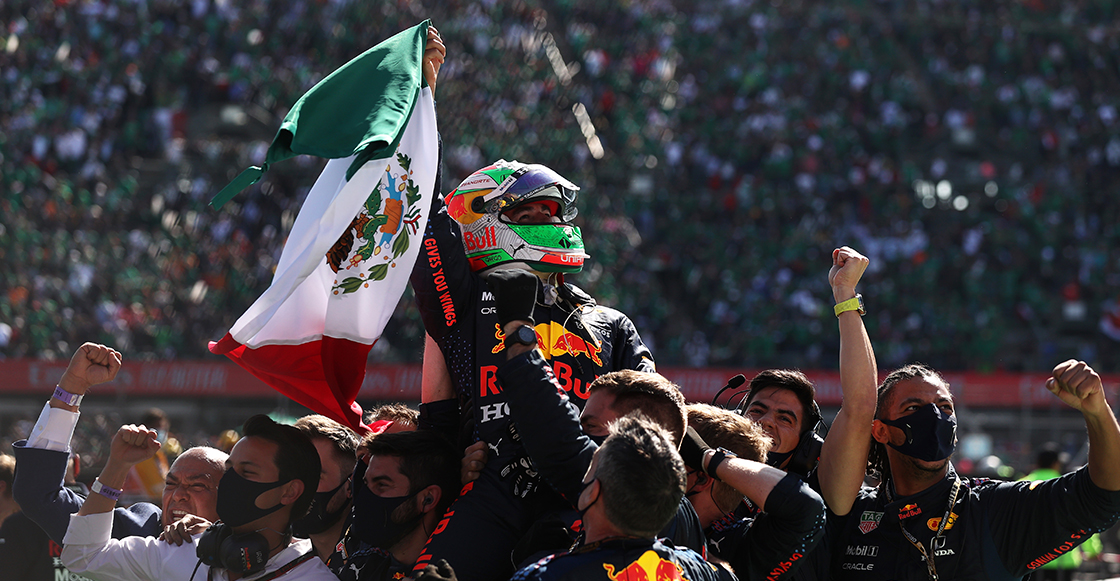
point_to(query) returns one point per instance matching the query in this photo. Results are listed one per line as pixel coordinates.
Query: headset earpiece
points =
(808, 450)
(220, 547)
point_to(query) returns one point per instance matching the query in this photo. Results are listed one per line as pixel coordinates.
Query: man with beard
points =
(402, 485)
(271, 476)
(39, 486)
(926, 522)
(330, 507)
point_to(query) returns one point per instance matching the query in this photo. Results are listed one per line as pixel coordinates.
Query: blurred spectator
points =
(145, 479)
(941, 137)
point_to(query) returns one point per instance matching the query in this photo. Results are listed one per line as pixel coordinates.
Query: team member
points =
(782, 401)
(190, 488)
(926, 522)
(270, 479)
(329, 514)
(631, 490)
(774, 543)
(400, 491)
(508, 215)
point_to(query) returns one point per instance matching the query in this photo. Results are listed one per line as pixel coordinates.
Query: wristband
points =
(66, 397)
(853, 304)
(720, 455)
(106, 491)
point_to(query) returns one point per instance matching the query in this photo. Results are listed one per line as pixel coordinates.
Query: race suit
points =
(995, 530)
(549, 427)
(622, 559)
(582, 341)
(773, 544)
(354, 560)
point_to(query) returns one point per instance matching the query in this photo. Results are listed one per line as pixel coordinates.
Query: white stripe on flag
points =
(301, 305)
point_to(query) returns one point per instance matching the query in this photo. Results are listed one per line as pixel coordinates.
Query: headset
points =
(242, 553)
(804, 457)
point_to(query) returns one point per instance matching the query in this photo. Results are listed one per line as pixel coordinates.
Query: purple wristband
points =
(66, 397)
(106, 491)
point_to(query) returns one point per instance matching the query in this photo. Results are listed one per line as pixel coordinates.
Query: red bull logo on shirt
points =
(649, 567)
(908, 511)
(553, 339)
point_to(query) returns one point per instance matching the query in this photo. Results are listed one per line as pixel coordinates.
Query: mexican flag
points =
(348, 257)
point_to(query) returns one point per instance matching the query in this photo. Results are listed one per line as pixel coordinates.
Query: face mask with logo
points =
(931, 434)
(373, 515)
(237, 499)
(318, 518)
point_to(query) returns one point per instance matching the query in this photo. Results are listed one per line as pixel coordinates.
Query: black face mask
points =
(776, 459)
(597, 439)
(237, 499)
(318, 519)
(583, 487)
(373, 521)
(931, 434)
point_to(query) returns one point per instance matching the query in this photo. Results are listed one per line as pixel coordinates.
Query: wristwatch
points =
(66, 397)
(106, 491)
(717, 458)
(524, 335)
(853, 304)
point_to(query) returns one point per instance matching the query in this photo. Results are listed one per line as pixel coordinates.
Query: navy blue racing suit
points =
(996, 530)
(582, 341)
(624, 559)
(549, 427)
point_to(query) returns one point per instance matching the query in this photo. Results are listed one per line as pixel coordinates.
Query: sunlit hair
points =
(641, 476)
(344, 442)
(658, 399)
(722, 428)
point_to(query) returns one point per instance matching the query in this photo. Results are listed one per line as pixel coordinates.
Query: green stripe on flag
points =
(361, 108)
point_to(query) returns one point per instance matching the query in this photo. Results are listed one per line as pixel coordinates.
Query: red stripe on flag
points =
(323, 375)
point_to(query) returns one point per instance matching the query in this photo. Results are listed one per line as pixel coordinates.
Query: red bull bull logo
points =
(553, 339)
(649, 567)
(908, 511)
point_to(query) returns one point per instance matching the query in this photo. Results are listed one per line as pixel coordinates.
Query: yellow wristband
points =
(853, 304)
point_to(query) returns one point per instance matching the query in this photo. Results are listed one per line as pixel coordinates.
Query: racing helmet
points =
(492, 240)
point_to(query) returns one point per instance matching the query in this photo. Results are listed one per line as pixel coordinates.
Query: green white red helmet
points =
(492, 240)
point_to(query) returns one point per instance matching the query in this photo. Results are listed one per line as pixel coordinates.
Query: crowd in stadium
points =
(976, 172)
(726, 153)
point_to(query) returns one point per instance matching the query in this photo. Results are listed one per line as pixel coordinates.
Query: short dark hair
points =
(343, 440)
(726, 429)
(427, 458)
(296, 457)
(792, 380)
(658, 399)
(641, 476)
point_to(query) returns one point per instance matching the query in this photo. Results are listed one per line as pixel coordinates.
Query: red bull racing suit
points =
(624, 560)
(995, 530)
(581, 340)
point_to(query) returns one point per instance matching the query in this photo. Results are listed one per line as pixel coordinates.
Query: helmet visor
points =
(533, 182)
